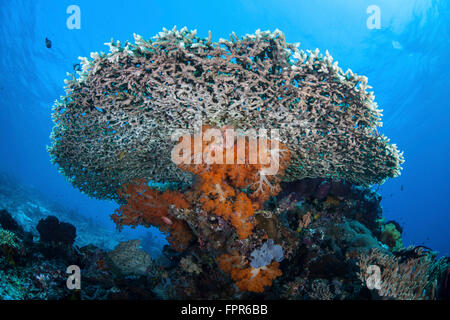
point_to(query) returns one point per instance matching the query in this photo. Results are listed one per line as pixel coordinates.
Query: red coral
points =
(146, 206)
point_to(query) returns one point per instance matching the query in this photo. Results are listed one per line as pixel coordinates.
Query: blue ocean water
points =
(406, 61)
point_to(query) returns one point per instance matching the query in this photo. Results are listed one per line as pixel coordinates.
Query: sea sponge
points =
(114, 125)
(263, 256)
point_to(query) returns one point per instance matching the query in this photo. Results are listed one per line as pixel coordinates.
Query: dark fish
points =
(401, 188)
(48, 43)
(77, 67)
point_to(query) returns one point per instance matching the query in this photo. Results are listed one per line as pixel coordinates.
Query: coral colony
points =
(264, 154)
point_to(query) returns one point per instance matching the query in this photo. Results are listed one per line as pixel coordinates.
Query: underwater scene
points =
(224, 150)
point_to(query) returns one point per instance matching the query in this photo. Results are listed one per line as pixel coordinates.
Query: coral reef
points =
(235, 230)
(115, 123)
(326, 260)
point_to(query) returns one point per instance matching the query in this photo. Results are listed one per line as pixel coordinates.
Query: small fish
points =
(121, 155)
(48, 43)
(167, 221)
(77, 67)
(401, 188)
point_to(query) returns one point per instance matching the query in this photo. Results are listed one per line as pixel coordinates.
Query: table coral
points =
(114, 125)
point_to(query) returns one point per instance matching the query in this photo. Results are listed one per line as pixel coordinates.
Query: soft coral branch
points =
(248, 278)
(221, 184)
(146, 206)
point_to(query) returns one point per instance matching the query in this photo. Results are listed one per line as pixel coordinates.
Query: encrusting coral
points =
(115, 123)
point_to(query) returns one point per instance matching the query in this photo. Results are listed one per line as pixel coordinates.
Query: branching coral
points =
(248, 278)
(115, 123)
(404, 280)
(10, 245)
(8, 239)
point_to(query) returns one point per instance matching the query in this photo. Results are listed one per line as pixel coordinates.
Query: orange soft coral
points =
(147, 206)
(242, 211)
(219, 181)
(224, 167)
(248, 278)
(255, 279)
